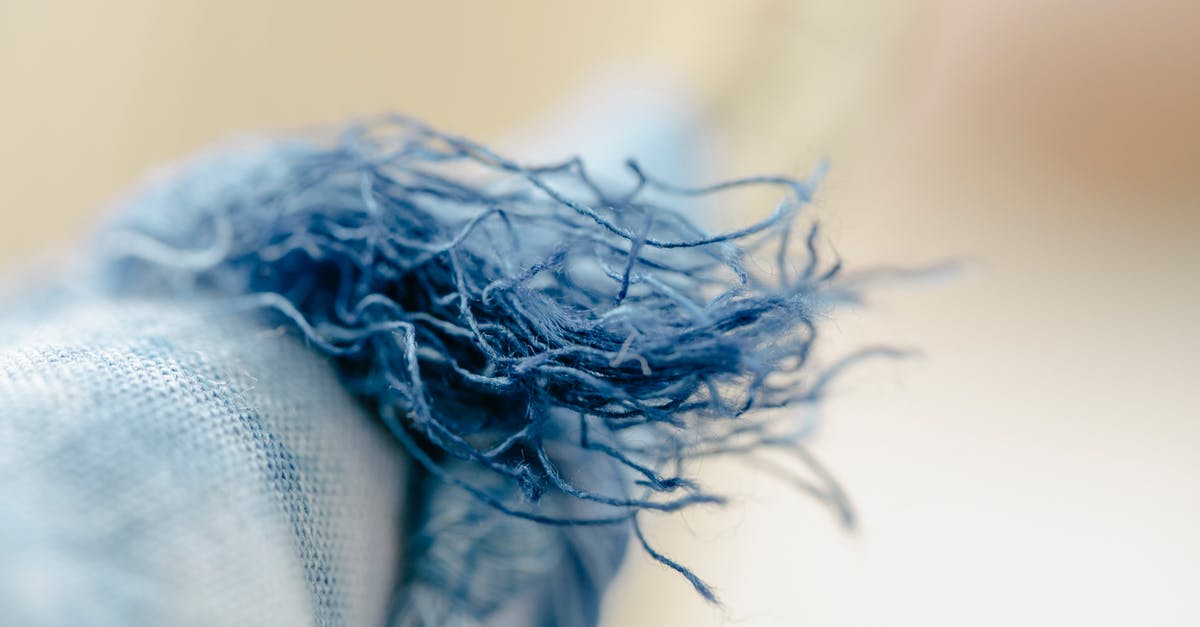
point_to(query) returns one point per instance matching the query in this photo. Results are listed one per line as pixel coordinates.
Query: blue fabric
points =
(490, 312)
(389, 377)
(168, 464)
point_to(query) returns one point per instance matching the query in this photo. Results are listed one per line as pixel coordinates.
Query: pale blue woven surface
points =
(162, 465)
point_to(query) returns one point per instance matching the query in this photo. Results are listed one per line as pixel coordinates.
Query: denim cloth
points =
(169, 462)
(163, 464)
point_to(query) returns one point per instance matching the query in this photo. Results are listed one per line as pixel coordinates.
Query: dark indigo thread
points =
(481, 307)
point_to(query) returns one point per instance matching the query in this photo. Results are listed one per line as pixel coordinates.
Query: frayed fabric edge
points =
(491, 312)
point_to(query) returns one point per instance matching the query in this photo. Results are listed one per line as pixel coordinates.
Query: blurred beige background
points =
(1038, 465)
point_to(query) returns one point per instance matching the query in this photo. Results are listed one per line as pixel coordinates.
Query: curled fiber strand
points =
(487, 310)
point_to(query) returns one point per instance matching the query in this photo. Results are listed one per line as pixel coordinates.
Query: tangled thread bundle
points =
(492, 313)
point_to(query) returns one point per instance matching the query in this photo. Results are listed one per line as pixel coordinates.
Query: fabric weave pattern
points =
(165, 463)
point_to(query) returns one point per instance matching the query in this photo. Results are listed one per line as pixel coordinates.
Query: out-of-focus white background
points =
(1038, 465)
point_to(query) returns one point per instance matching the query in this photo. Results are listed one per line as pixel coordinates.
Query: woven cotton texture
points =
(165, 464)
